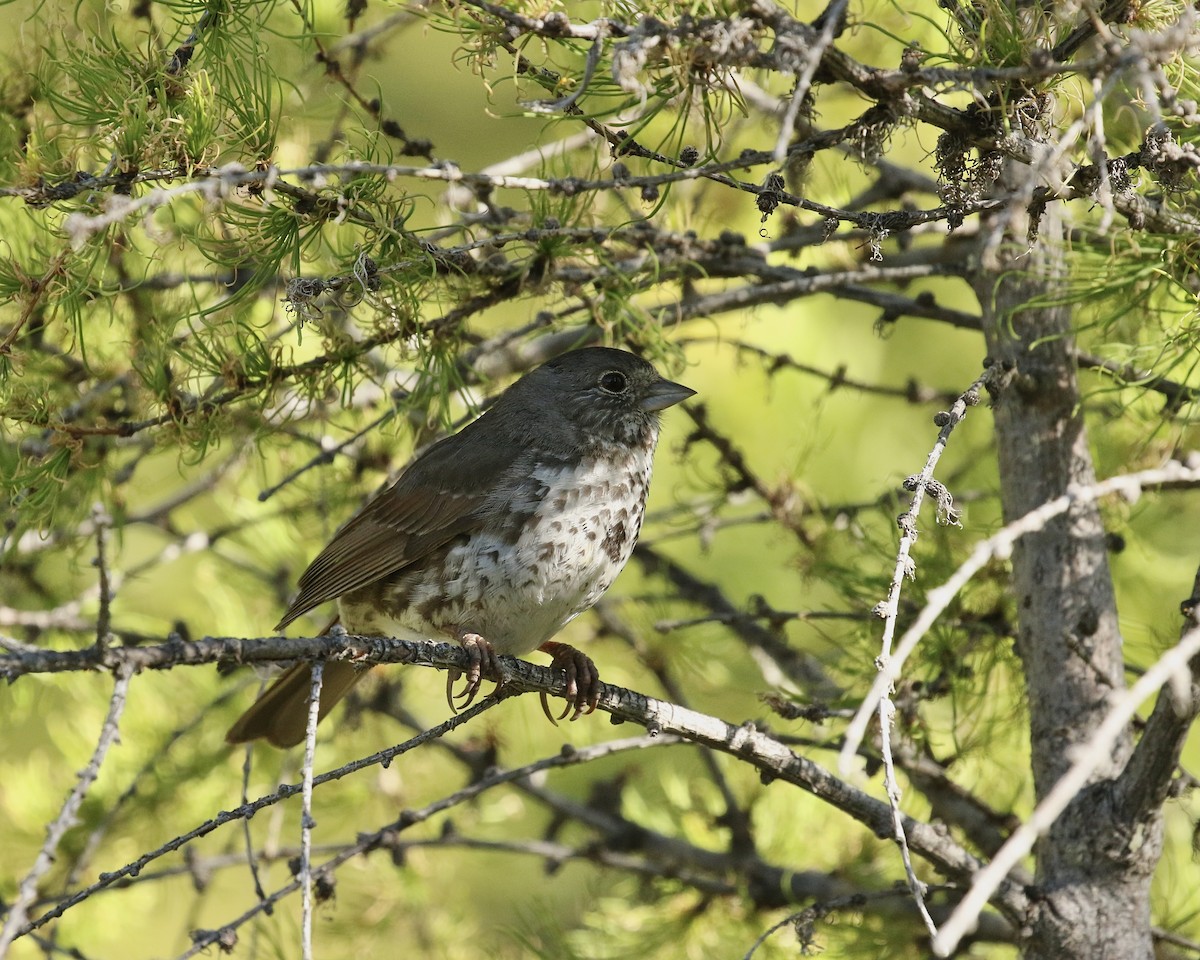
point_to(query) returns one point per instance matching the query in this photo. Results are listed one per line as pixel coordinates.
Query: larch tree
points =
(907, 602)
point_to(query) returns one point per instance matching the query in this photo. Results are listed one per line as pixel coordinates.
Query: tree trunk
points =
(1093, 882)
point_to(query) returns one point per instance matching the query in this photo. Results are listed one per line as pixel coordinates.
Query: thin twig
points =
(306, 820)
(14, 924)
(812, 60)
(202, 940)
(151, 769)
(327, 455)
(1000, 544)
(247, 810)
(890, 609)
(1091, 757)
(916, 886)
(101, 521)
(251, 860)
(818, 911)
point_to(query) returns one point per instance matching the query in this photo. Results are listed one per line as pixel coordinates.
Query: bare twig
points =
(803, 920)
(998, 545)
(247, 810)
(14, 923)
(306, 821)
(327, 454)
(890, 609)
(247, 839)
(202, 940)
(916, 886)
(150, 770)
(1093, 756)
(101, 521)
(812, 60)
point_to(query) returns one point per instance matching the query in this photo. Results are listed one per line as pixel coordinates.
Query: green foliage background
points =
(175, 317)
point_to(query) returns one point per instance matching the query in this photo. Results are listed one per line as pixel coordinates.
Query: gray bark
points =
(1092, 895)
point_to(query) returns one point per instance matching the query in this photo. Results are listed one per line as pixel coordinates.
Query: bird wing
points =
(437, 498)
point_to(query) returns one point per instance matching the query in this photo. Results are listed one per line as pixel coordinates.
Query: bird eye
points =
(614, 382)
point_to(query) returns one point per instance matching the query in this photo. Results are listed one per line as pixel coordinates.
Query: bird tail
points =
(281, 714)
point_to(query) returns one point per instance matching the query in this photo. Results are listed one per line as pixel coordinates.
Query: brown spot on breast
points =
(614, 540)
(430, 610)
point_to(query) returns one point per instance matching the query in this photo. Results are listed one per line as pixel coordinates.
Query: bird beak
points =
(665, 394)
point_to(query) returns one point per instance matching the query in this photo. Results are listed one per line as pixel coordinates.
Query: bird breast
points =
(551, 555)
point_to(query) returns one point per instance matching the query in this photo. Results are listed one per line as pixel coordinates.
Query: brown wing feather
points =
(435, 500)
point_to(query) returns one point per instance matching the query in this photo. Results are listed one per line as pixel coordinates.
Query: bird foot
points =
(583, 681)
(482, 664)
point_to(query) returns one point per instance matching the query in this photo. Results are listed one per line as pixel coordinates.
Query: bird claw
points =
(582, 681)
(482, 664)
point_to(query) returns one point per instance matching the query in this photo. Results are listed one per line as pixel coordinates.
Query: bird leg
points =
(583, 680)
(482, 663)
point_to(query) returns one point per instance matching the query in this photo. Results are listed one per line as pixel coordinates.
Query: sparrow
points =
(495, 537)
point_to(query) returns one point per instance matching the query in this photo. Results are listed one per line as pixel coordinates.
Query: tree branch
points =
(771, 757)
(1144, 784)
